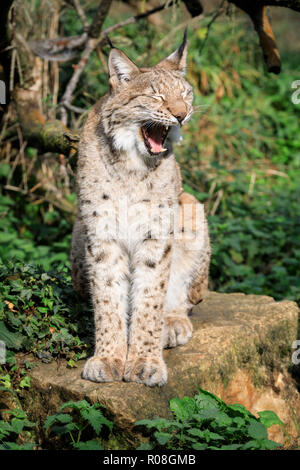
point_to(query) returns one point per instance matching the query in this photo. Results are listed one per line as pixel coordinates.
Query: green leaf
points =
(78, 405)
(183, 408)
(14, 446)
(212, 436)
(206, 400)
(4, 169)
(145, 446)
(269, 445)
(251, 445)
(231, 447)
(157, 423)
(5, 429)
(162, 437)
(96, 419)
(59, 417)
(88, 445)
(12, 340)
(199, 446)
(239, 410)
(269, 418)
(17, 425)
(257, 430)
(196, 432)
(222, 419)
(66, 428)
(25, 382)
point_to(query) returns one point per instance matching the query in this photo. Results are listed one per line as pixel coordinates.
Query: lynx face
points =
(146, 107)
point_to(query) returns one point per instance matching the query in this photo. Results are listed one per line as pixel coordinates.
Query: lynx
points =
(140, 246)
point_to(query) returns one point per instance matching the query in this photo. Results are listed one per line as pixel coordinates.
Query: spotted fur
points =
(142, 281)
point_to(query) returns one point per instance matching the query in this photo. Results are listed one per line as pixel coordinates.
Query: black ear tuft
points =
(176, 60)
(183, 44)
(109, 42)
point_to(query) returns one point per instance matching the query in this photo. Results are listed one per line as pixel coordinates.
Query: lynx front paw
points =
(103, 369)
(146, 370)
(177, 330)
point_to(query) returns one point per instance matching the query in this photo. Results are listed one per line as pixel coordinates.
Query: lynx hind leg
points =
(199, 278)
(199, 286)
(189, 271)
(78, 261)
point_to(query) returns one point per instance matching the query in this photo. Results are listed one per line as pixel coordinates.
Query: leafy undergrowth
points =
(255, 241)
(40, 313)
(205, 422)
(41, 317)
(84, 419)
(15, 430)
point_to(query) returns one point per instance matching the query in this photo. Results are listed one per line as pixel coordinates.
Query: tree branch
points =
(48, 136)
(246, 4)
(99, 18)
(258, 14)
(81, 14)
(93, 42)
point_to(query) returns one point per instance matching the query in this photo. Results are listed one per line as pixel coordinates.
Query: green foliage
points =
(85, 417)
(40, 313)
(255, 239)
(26, 234)
(15, 430)
(205, 422)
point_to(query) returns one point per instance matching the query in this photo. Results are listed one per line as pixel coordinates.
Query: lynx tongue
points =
(155, 139)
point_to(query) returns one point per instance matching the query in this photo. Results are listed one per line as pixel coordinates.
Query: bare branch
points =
(81, 14)
(140, 16)
(58, 49)
(93, 42)
(217, 13)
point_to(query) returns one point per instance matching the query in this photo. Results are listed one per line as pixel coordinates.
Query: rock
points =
(240, 350)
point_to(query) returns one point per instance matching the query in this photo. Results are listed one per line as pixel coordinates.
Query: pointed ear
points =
(121, 68)
(177, 60)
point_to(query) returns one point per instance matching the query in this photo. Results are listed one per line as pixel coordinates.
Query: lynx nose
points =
(180, 116)
(178, 110)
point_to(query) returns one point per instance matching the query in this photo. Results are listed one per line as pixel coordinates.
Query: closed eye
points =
(158, 97)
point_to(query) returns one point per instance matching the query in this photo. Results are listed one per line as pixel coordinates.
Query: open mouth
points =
(154, 138)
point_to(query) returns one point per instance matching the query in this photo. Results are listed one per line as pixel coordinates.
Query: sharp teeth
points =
(163, 150)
